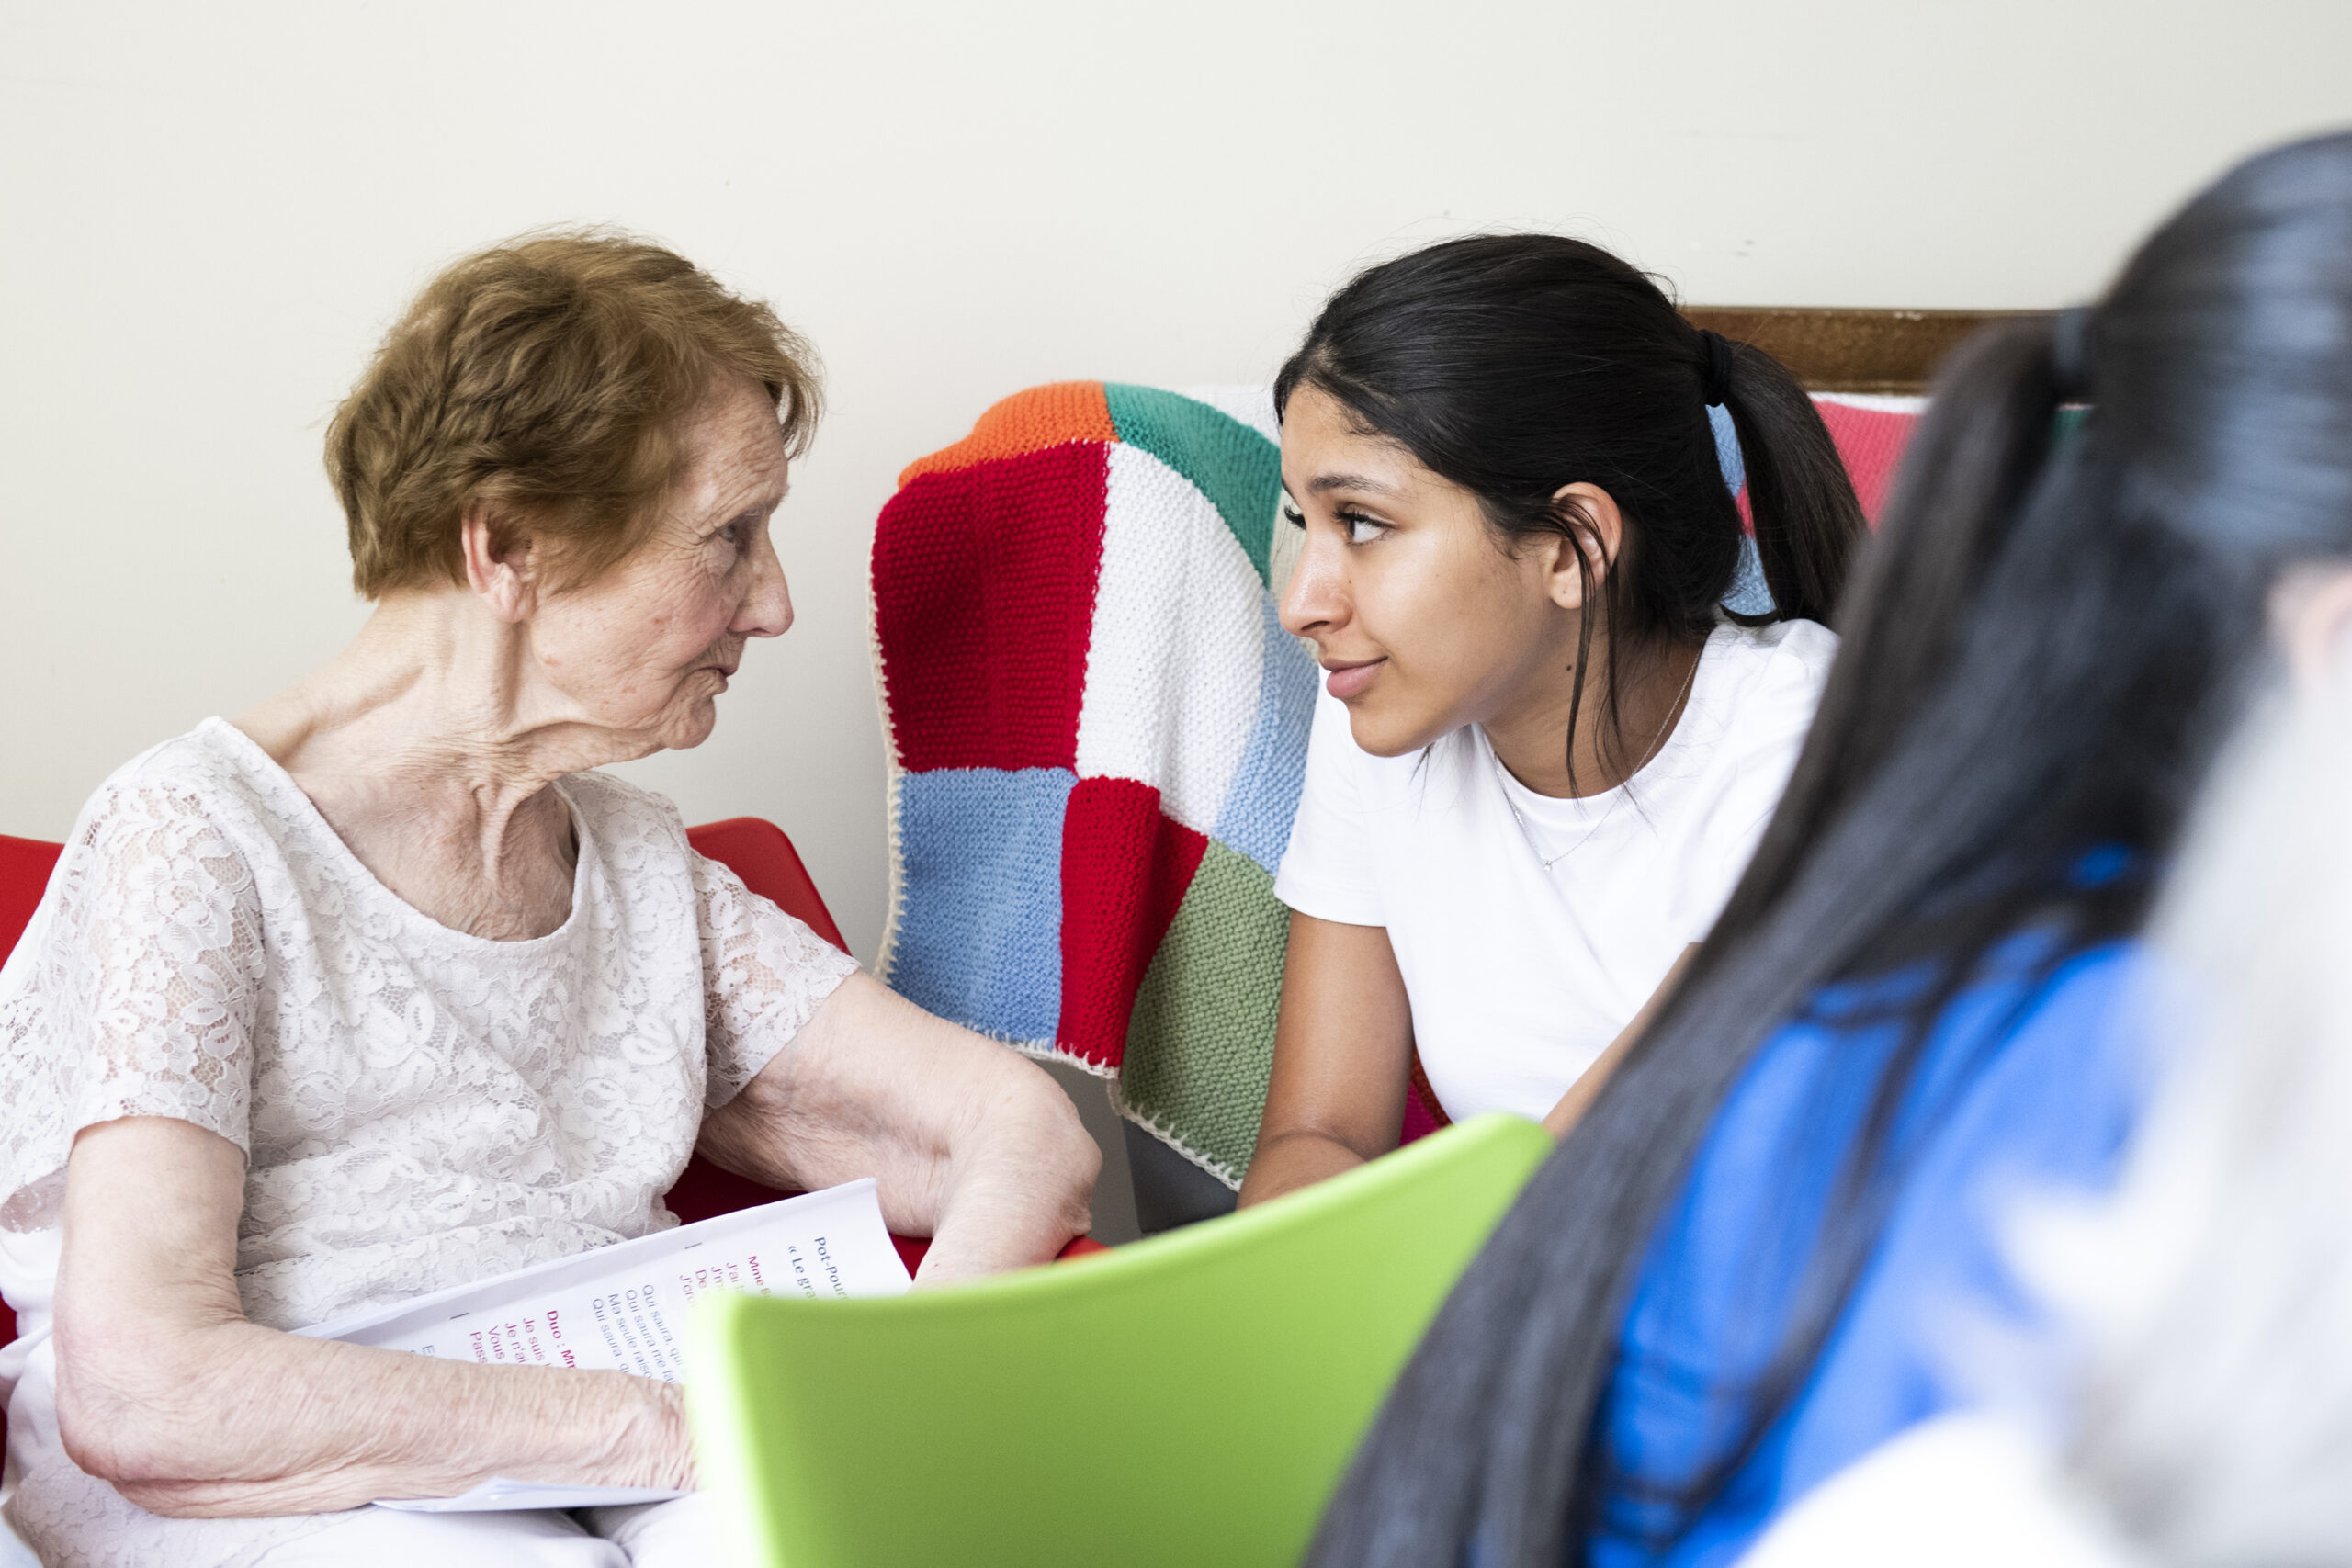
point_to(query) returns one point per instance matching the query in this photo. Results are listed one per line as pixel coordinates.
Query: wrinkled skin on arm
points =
(166, 1390)
(971, 1145)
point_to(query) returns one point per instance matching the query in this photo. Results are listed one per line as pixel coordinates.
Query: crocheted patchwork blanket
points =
(1098, 732)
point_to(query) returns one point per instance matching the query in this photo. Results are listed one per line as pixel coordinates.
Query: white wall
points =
(209, 213)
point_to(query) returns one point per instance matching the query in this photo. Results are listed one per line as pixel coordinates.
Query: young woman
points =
(1738, 1273)
(1545, 749)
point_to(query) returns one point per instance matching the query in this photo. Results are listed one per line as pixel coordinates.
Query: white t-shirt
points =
(1520, 978)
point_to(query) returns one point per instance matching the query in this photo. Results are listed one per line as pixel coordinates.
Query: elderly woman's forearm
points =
(235, 1419)
(875, 1086)
(971, 1145)
(165, 1389)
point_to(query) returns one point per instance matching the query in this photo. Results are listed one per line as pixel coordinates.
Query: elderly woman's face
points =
(646, 647)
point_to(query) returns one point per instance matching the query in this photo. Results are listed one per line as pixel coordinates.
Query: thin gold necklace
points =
(1649, 752)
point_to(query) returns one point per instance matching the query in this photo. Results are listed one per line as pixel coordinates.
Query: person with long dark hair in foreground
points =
(1546, 745)
(1731, 1279)
(2202, 1413)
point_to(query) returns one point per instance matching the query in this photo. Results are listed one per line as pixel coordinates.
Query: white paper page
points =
(501, 1496)
(623, 1307)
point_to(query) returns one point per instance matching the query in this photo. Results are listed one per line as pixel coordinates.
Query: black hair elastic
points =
(1717, 390)
(2070, 353)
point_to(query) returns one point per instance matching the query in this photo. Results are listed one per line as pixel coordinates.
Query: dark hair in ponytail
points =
(2041, 653)
(1515, 364)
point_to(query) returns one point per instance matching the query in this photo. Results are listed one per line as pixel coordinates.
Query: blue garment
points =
(2027, 1085)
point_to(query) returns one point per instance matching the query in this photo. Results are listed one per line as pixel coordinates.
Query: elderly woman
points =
(381, 987)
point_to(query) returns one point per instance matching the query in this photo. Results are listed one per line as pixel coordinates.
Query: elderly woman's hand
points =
(166, 1390)
(973, 1146)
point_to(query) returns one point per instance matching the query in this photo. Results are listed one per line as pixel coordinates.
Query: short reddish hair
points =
(555, 373)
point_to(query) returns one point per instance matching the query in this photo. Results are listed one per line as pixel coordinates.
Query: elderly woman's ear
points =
(502, 566)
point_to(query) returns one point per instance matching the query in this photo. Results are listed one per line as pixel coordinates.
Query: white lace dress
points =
(418, 1107)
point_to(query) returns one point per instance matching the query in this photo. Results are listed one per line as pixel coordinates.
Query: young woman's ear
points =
(1600, 530)
(500, 565)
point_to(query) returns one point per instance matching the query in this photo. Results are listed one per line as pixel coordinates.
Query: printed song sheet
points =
(624, 1307)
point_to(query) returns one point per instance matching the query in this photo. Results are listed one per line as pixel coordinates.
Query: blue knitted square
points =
(1264, 799)
(980, 923)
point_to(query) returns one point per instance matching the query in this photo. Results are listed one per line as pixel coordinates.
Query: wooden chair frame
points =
(1831, 350)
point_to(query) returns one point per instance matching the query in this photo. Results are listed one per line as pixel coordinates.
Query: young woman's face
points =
(1424, 621)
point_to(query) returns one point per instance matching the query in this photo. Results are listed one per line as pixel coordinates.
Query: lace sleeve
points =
(141, 999)
(763, 974)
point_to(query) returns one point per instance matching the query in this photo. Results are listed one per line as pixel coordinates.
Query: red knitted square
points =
(983, 603)
(1125, 869)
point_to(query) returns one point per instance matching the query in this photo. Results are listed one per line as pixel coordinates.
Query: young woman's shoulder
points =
(1790, 656)
(1760, 695)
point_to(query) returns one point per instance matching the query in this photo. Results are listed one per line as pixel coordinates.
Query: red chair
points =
(25, 865)
(758, 851)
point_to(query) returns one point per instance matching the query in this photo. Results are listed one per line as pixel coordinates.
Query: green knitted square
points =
(1201, 1039)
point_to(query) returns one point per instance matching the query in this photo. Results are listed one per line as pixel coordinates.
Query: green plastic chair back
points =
(1191, 1399)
